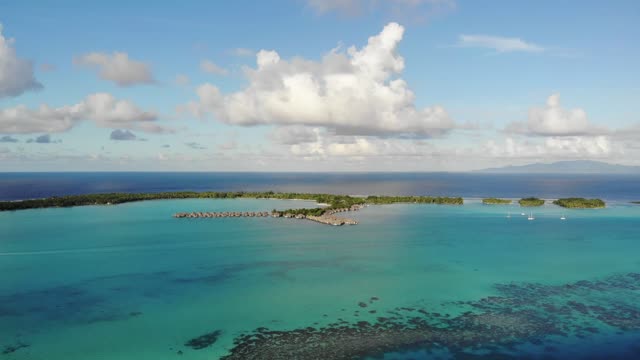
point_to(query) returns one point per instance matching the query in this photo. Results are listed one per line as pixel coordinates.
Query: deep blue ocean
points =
(410, 281)
(15, 186)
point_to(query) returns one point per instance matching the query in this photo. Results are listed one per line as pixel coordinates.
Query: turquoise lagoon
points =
(130, 282)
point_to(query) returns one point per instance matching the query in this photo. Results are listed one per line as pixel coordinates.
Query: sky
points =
(313, 85)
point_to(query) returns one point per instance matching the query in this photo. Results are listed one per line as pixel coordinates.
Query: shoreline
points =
(322, 201)
(333, 201)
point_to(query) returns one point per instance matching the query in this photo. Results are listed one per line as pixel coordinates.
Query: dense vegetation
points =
(580, 203)
(334, 201)
(636, 202)
(305, 211)
(119, 198)
(378, 200)
(344, 201)
(496, 201)
(531, 201)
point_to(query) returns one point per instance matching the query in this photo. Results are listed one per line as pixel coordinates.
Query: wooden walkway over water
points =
(328, 218)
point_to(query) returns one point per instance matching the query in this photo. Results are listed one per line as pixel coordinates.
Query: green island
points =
(580, 203)
(531, 201)
(334, 202)
(496, 201)
(636, 202)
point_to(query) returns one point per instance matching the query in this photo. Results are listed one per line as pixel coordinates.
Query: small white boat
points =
(563, 217)
(531, 217)
(509, 215)
(522, 214)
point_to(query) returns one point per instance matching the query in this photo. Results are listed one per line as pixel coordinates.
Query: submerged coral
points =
(204, 341)
(9, 349)
(493, 327)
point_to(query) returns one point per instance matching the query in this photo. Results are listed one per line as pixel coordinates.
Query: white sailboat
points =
(509, 215)
(563, 217)
(531, 217)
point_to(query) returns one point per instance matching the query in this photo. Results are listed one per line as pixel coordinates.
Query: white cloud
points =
(579, 145)
(308, 149)
(182, 80)
(406, 154)
(46, 67)
(108, 111)
(327, 145)
(552, 147)
(241, 52)
(355, 93)
(294, 134)
(347, 7)
(20, 119)
(210, 67)
(152, 127)
(359, 147)
(324, 147)
(102, 108)
(498, 43)
(117, 67)
(229, 145)
(553, 120)
(427, 8)
(631, 132)
(16, 74)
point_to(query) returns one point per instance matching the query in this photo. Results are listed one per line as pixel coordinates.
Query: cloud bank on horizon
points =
(101, 108)
(387, 102)
(553, 120)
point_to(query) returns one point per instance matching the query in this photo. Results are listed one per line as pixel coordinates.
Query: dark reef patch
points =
(367, 339)
(490, 328)
(56, 303)
(204, 341)
(9, 349)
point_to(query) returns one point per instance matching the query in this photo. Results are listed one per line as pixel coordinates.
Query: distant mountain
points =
(567, 167)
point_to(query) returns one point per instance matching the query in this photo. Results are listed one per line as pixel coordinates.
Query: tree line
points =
(334, 201)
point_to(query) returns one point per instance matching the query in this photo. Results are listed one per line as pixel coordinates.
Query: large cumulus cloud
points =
(357, 93)
(16, 74)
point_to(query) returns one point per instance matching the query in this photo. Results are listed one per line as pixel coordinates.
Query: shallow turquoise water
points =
(130, 282)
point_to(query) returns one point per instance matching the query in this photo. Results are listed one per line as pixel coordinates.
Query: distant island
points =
(333, 201)
(580, 203)
(531, 201)
(566, 167)
(496, 201)
(326, 215)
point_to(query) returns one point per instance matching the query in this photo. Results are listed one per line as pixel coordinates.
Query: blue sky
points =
(157, 86)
